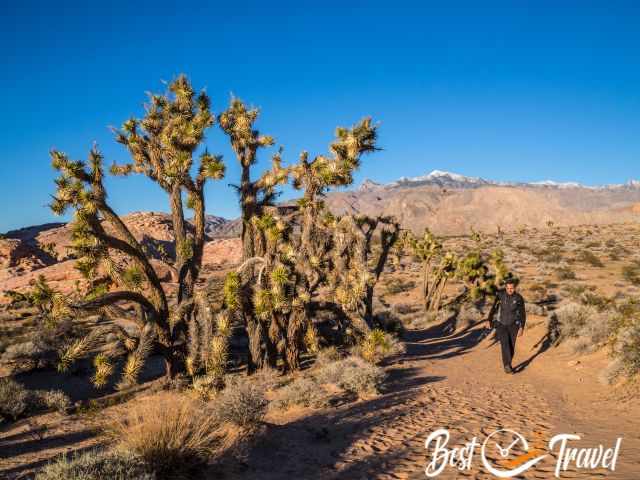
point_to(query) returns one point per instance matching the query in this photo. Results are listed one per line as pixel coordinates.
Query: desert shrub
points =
(389, 322)
(588, 257)
(304, 391)
(269, 378)
(574, 291)
(15, 400)
(572, 317)
(97, 465)
(405, 308)
(242, 403)
(41, 347)
(377, 346)
(631, 273)
(585, 323)
(595, 300)
(326, 356)
(549, 254)
(627, 347)
(171, 432)
(398, 285)
(352, 374)
(54, 399)
(611, 372)
(565, 273)
(468, 315)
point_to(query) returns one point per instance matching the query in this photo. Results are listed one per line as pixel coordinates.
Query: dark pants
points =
(507, 334)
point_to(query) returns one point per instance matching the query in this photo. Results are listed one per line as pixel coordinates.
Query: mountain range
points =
(451, 204)
(439, 178)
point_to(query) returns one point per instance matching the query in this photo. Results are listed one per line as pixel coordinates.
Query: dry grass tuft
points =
(172, 433)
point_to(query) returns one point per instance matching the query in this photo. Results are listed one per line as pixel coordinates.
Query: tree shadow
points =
(310, 447)
(32, 445)
(442, 341)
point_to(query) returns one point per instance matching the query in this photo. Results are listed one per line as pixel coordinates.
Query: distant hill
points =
(450, 204)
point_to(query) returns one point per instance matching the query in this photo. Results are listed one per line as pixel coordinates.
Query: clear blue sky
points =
(510, 91)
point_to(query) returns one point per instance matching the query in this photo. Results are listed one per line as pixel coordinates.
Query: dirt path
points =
(446, 380)
(454, 381)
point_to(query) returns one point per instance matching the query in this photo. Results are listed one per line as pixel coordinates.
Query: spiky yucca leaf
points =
(279, 275)
(262, 303)
(193, 347)
(218, 356)
(232, 291)
(375, 343)
(79, 349)
(223, 325)
(104, 369)
(311, 339)
(136, 359)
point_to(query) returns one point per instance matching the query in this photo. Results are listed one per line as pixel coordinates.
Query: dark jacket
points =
(512, 309)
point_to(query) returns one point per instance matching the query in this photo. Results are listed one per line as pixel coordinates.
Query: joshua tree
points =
(339, 251)
(237, 122)
(162, 146)
(294, 246)
(426, 249)
(359, 258)
(482, 276)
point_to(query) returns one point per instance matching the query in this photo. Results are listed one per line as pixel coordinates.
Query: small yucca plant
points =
(375, 345)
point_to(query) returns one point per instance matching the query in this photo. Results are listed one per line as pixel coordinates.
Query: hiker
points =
(512, 318)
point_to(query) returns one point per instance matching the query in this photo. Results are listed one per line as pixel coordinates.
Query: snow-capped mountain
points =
(444, 179)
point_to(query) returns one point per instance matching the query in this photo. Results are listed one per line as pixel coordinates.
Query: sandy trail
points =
(455, 381)
(445, 379)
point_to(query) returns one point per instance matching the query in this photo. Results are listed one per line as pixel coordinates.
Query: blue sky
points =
(519, 90)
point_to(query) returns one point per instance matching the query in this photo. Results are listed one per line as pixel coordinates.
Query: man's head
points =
(510, 286)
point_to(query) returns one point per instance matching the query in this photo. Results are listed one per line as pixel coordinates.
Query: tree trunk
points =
(425, 286)
(254, 332)
(294, 340)
(439, 298)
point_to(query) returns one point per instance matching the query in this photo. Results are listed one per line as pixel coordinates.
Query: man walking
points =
(512, 318)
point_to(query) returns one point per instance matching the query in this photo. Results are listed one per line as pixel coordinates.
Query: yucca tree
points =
(361, 248)
(444, 272)
(237, 122)
(426, 249)
(162, 146)
(339, 252)
(286, 249)
(482, 274)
